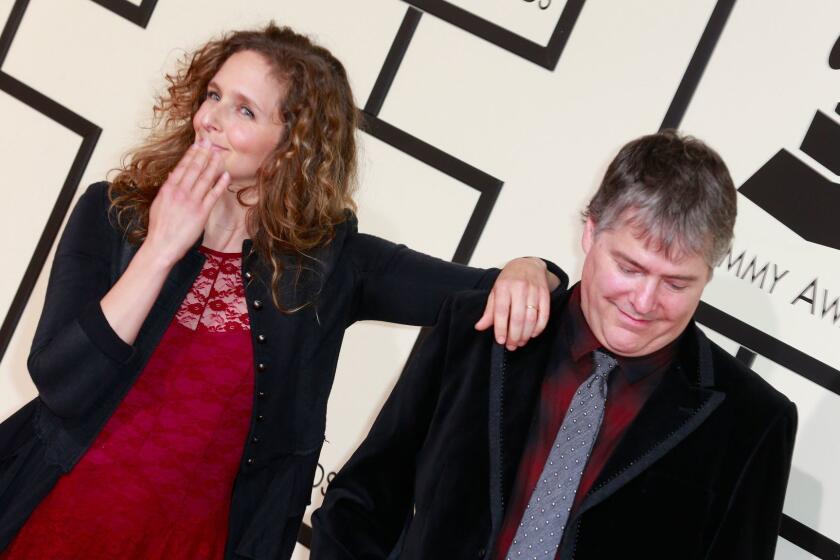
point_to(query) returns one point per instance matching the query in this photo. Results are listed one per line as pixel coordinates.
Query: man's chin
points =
(624, 343)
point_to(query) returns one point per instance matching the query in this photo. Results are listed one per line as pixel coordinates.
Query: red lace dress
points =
(157, 481)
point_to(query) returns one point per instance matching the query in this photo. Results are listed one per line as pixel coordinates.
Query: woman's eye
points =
(247, 112)
(213, 95)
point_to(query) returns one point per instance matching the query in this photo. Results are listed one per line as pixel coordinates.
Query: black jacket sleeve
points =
(396, 284)
(750, 528)
(75, 353)
(371, 498)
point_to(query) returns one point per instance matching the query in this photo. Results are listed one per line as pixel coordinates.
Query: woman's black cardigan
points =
(82, 369)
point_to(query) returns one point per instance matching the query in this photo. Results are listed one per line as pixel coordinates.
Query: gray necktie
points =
(544, 520)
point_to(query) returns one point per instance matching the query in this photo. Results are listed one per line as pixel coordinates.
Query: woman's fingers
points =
(216, 192)
(486, 320)
(543, 312)
(501, 314)
(181, 208)
(208, 176)
(529, 321)
(195, 167)
(177, 174)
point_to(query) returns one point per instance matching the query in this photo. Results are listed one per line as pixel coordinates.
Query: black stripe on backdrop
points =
(68, 119)
(697, 65)
(755, 341)
(543, 55)
(487, 185)
(137, 14)
(751, 340)
(809, 540)
(392, 62)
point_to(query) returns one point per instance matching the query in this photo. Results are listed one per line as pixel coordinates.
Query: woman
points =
(194, 315)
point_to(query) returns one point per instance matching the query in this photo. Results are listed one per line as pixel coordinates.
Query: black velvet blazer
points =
(82, 369)
(700, 473)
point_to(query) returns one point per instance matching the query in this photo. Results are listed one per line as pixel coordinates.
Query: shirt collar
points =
(582, 342)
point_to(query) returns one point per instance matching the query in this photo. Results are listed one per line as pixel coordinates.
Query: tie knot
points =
(604, 363)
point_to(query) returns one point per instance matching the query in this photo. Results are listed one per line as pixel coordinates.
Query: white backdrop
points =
(481, 84)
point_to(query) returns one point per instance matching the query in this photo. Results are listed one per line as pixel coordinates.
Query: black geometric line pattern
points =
(697, 65)
(485, 184)
(746, 357)
(139, 15)
(392, 62)
(543, 55)
(769, 347)
(809, 540)
(68, 119)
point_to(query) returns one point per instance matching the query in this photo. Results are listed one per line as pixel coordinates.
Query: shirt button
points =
(250, 461)
(257, 304)
(261, 338)
(260, 366)
(255, 439)
(247, 274)
(260, 417)
(260, 394)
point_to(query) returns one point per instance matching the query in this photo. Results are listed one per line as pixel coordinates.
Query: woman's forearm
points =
(128, 302)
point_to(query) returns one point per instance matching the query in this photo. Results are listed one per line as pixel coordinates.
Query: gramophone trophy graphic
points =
(794, 193)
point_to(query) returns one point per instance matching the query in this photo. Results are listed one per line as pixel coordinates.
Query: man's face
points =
(635, 298)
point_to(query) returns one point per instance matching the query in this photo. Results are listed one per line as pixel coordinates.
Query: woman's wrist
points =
(153, 259)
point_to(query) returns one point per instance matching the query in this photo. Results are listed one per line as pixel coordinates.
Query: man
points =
(622, 432)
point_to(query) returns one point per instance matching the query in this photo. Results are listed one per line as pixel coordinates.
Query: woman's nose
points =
(211, 119)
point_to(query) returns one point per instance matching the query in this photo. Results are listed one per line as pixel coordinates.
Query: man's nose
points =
(644, 296)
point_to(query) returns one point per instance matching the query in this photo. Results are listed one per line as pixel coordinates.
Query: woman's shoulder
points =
(350, 223)
(96, 195)
(93, 211)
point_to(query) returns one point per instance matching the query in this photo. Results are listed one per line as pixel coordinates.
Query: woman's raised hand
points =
(182, 206)
(177, 217)
(519, 303)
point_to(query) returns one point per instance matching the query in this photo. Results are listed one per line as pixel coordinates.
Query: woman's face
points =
(240, 116)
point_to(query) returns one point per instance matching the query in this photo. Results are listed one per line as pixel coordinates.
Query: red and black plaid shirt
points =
(570, 365)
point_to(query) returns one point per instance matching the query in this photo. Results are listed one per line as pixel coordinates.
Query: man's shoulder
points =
(744, 386)
(463, 308)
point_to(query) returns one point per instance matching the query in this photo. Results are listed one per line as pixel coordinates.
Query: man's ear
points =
(588, 237)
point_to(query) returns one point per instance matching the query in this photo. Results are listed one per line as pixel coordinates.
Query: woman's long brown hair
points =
(304, 187)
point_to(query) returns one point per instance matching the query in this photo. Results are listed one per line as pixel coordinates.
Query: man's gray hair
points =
(675, 190)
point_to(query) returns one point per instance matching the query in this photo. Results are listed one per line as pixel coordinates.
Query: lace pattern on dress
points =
(216, 302)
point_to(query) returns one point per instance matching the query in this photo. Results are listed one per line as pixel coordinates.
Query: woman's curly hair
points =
(304, 187)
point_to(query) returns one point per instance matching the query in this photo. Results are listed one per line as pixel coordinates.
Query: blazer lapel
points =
(683, 400)
(515, 381)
